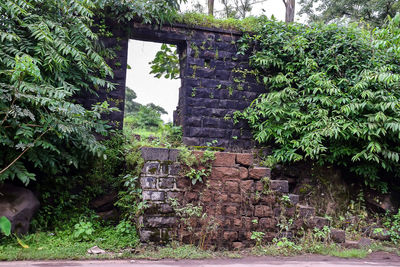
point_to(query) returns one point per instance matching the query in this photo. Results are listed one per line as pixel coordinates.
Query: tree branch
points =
(23, 152)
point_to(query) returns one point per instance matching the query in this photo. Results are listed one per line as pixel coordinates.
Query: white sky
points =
(164, 92)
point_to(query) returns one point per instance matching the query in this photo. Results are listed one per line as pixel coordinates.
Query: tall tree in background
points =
(290, 8)
(373, 12)
(238, 8)
(211, 7)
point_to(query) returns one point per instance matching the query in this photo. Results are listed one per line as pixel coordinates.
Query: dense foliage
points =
(49, 54)
(373, 12)
(333, 95)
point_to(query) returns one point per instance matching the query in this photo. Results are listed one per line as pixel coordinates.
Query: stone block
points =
(174, 195)
(245, 159)
(230, 236)
(319, 222)
(155, 153)
(263, 211)
(231, 187)
(267, 224)
(235, 198)
(224, 159)
(225, 173)
(174, 169)
(259, 172)
(338, 236)
(151, 168)
(237, 245)
(153, 195)
(246, 186)
(160, 221)
(305, 211)
(220, 197)
(148, 183)
(279, 186)
(173, 155)
(166, 183)
(244, 173)
(183, 183)
(294, 199)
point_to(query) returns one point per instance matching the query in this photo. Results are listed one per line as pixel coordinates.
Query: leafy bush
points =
(332, 95)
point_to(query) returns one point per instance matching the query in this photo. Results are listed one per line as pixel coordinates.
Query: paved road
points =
(246, 262)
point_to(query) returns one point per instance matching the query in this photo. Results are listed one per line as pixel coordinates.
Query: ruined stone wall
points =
(213, 81)
(235, 201)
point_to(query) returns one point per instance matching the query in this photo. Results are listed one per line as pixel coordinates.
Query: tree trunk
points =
(290, 8)
(211, 7)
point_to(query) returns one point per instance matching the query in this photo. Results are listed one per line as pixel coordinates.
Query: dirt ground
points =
(374, 259)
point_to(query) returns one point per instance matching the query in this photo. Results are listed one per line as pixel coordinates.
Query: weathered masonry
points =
(236, 200)
(214, 82)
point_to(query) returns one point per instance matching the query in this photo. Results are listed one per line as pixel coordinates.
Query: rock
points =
(365, 242)
(110, 215)
(350, 244)
(384, 202)
(18, 205)
(96, 250)
(338, 236)
(380, 234)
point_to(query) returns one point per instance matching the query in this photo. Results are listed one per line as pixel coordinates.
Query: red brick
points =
(191, 196)
(224, 159)
(221, 197)
(267, 223)
(230, 236)
(236, 198)
(182, 183)
(270, 198)
(263, 211)
(237, 245)
(246, 223)
(244, 159)
(232, 210)
(259, 186)
(215, 185)
(206, 196)
(226, 224)
(231, 187)
(237, 222)
(244, 173)
(246, 186)
(259, 172)
(225, 173)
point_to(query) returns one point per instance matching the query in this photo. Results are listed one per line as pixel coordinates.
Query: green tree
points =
(130, 105)
(49, 54)
(333, 96)
(373, 12)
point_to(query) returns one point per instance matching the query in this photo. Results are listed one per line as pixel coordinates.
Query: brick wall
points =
(234, 199)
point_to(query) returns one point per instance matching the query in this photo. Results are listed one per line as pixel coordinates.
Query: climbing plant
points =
(333, 95)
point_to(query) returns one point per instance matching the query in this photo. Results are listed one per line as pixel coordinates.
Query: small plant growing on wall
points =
(196, 168)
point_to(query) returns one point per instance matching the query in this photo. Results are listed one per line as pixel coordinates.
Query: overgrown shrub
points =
(332, 95)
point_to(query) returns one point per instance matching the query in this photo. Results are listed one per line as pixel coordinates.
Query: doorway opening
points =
(152, 91)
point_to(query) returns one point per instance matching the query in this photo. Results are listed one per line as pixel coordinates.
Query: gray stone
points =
(157, 196)
(174, 169)
(155, 153)
(148, 182)
(160, 221)
(338, 236)
(294, 199)
(319, 222)
(279, 186)
(151, 168)
(166, 183)
(173, 155)
(18, 205)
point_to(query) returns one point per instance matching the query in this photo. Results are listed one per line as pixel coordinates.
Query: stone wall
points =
(236, 200)
(213, 81)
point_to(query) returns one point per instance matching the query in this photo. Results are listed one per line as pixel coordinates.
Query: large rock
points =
(18, 205)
